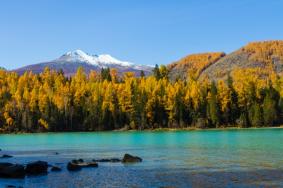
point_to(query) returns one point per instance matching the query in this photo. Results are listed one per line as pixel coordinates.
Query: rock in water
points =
(91, 164)
(76, 165)
(13, 186)
(73, 166)
(115, 160)
(37, 168)
(56, 169)
(9, 170)
(131, 159)
(6, 156)
(111, 160)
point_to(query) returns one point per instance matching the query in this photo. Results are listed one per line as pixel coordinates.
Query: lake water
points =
(205, 158)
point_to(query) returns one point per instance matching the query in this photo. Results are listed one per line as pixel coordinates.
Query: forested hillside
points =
(104, 101)
(193, 64)
(260, 58)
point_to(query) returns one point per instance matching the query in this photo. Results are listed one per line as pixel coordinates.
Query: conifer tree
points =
(213, 108)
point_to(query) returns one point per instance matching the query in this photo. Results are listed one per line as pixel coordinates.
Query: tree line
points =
(108, 101)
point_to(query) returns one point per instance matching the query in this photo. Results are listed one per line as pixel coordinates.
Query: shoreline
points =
(151, 130)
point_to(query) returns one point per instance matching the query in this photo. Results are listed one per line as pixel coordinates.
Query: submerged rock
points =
(37, 168)
(13, 186)
(9, 170)
(90, 164)
(71, 166)
(56, 169)
(115, 160)
(131, 159)
(6, 156)
(112, 160)
(76, 165)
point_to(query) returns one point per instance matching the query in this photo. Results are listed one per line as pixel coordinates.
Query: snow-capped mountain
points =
(98, 60)
(71, 61)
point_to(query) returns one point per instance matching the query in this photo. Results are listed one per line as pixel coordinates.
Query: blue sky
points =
(140, 31)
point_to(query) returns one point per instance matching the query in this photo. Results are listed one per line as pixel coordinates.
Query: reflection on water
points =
(226, 158)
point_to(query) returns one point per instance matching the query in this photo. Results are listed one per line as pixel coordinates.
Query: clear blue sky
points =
(140, 31)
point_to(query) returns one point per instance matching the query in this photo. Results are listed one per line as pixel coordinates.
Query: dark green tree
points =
(234, 111)
(269, 110)
(156, 72)
(255, 115)
(142, 75)
(213, 107)
(105, 74)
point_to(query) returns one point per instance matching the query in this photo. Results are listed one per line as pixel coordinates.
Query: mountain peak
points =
(102, 60)
(77, 52)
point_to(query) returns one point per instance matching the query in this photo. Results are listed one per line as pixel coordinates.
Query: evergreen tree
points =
(105, 74)
(163, 71)
(255, 115)
(269, 110)
(213, 108)
(156, 72)
(234, 111)
(142, 75)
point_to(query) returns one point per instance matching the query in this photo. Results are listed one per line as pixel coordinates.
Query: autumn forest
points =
(107, 101)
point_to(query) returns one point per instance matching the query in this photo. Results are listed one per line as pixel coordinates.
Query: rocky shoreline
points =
(35, 168)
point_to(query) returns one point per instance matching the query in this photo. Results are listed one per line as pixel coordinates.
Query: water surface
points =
(206, 158)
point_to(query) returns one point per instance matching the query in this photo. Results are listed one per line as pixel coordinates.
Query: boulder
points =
(6, 156)
(131, 159)
(56, 169)
(9, 170)
(36, 168)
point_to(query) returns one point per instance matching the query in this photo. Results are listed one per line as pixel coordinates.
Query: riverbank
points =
(149, 130)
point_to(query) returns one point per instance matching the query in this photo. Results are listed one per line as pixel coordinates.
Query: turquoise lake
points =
(204, 158)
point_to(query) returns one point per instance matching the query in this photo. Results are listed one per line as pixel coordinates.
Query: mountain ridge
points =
(72, 60)
(261, 58)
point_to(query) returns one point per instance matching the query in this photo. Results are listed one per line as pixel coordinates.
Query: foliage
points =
(265, 51)
(105, 101)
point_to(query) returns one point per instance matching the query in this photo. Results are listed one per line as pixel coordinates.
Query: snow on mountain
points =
(102, 60)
